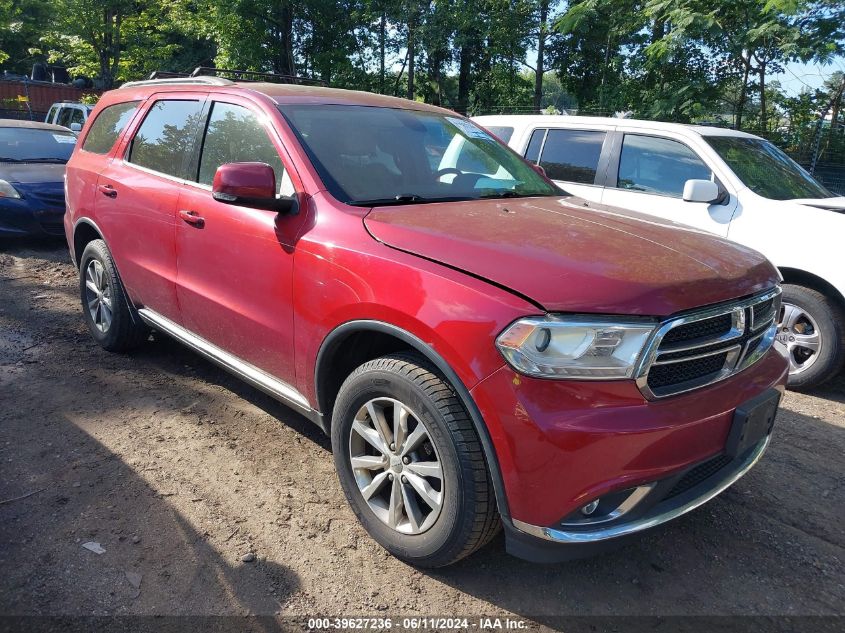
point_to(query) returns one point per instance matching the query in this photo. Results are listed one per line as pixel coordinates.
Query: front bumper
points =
(562, 444)
(26, 217)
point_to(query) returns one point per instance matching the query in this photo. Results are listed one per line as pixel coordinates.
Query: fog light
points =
(588, 509)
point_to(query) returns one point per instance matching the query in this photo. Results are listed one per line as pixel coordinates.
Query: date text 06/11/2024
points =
(417, 623)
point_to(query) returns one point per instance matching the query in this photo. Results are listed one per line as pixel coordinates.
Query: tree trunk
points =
(116, 46)
(604, 73)
(464, 70)
(399, 76)
(743, 91)
(284, 60)
(541, 49)
(835, 109)
(381, 41)
(411, 46)
(104, 54)
(763, 118)
(658, 31)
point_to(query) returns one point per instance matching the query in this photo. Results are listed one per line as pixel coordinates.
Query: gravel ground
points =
(179, 471)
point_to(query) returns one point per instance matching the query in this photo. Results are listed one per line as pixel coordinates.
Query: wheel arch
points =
(356, 342)
(84, 231)
(800, 277)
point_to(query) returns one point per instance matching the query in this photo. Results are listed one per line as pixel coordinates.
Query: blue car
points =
(32, 173)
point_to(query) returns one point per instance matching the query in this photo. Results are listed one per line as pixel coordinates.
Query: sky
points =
(797, 76)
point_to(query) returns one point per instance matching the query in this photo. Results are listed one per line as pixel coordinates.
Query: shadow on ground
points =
(772, 544)
(80, 492)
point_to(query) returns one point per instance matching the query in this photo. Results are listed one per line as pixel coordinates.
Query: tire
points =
(119, 328)
(808, 311)
(418, 534)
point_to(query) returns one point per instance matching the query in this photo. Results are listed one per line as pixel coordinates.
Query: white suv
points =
(730, 183)
(70, 114)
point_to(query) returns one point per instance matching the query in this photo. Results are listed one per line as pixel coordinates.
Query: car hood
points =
(828, 204)
(565, 258)
(32, 173)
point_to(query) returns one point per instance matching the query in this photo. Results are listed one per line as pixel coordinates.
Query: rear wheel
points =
(410, 462)
(812, 329)
(111, 321)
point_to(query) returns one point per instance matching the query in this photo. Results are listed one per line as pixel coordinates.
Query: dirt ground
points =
(178, 470)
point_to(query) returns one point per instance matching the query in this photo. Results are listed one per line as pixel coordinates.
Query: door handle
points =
(108, 190)
(191, 217)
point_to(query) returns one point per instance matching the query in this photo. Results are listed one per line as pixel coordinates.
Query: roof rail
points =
(251, 75)
(213, 81)
(167, 74)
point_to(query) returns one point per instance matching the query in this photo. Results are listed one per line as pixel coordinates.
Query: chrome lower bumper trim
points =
(644, 523)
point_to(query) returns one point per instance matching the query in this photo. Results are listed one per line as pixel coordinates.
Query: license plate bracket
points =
(753, 420)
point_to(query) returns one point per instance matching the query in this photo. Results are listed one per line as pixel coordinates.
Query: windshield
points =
(372, 156)
(28, 145)
(765, 169)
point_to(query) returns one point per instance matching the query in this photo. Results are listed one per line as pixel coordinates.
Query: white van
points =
(70, 114)
(726, 182)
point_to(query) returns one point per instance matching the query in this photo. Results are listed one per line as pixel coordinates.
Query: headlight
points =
(8, 191)
(585, 347)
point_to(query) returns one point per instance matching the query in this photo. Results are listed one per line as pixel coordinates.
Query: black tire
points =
(831, 325)
(126, 330)
(468, 517)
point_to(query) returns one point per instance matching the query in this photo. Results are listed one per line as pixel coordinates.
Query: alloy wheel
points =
(801, 335)
(396, 466)
(98, 295)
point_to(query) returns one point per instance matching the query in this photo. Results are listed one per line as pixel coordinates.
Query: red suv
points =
(481, 348)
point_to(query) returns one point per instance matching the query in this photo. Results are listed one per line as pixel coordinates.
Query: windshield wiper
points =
(406, 198)
(510, 193)
(43, 160)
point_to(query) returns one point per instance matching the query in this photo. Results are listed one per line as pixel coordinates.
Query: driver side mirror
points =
(75, 127)
(251, 185)
(701, 191)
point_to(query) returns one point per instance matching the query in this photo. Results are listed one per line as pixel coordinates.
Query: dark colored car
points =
(482, 350)
(32, 177)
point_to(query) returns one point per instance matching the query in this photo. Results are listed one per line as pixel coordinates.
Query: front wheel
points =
(812, 330)
(410, 462)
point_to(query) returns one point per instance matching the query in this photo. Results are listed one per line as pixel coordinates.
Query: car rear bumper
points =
(562, 445)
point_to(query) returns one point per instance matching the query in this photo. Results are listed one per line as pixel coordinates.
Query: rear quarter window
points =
(108, 126)
(501, 132)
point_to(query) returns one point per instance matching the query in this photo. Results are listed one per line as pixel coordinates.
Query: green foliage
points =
(681, 60)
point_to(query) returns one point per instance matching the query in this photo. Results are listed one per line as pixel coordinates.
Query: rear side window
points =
(235, 135)
(166, 137)
(51, 115)
(658, 165)
(572, 155)
(532, 152)
(108, 125)
(501, 132)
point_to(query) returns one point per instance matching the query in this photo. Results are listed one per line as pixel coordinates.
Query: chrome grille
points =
(702, 347)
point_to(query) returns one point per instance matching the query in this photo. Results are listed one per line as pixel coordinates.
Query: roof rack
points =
(220, 77)
(251, 75)
(157, 80)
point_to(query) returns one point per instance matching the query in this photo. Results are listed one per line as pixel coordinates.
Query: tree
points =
(542, 33)
(116, 40)
(589, 55)
(21, 24)
(752, 38)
